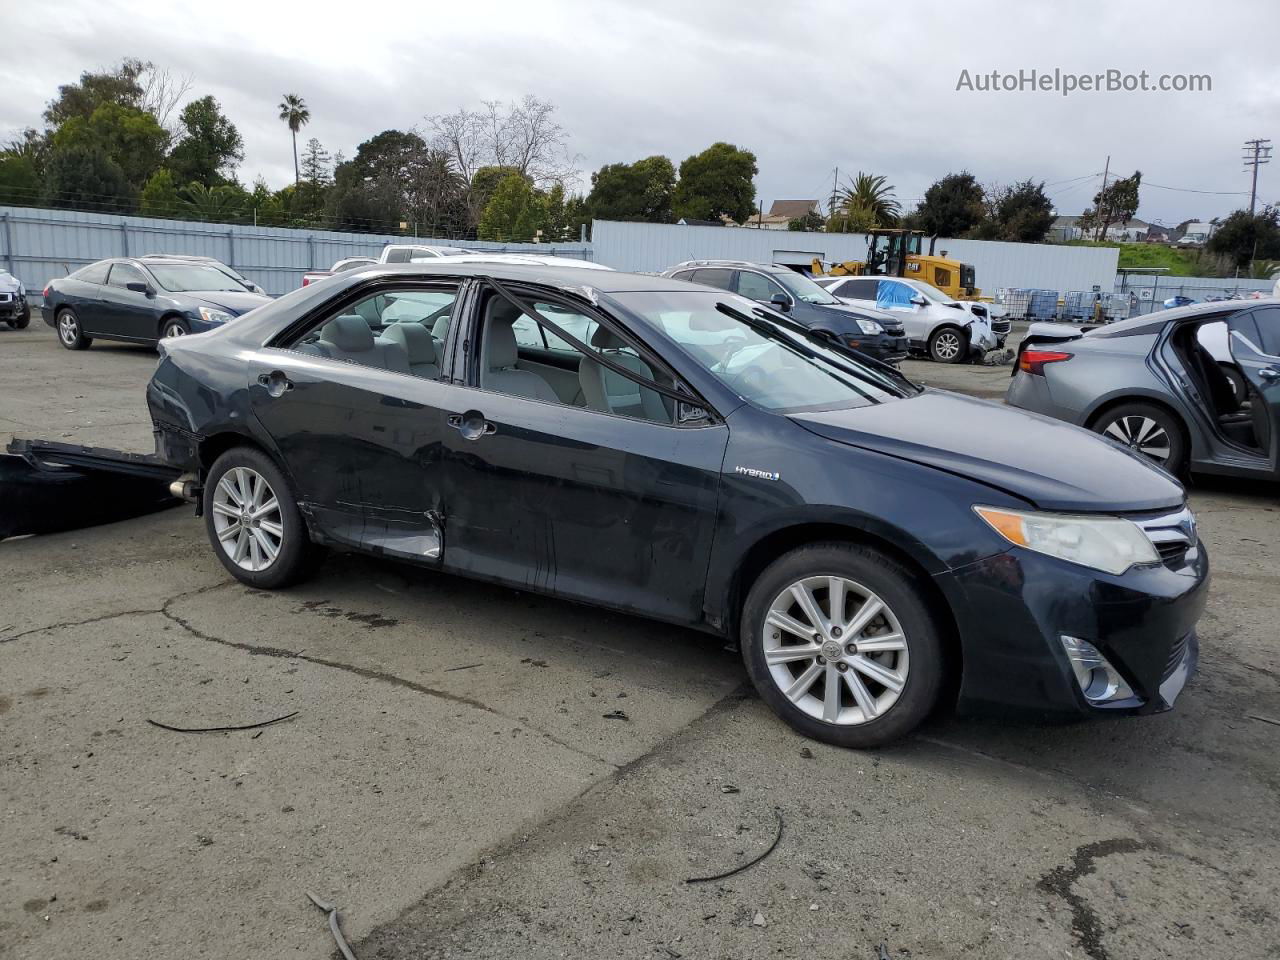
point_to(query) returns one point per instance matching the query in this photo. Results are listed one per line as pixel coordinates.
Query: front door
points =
(1255, 347)
(356, 409)
(587, 488)
(125, 312)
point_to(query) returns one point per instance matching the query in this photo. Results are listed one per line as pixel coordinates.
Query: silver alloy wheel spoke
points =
(247, 520)
(835, 650)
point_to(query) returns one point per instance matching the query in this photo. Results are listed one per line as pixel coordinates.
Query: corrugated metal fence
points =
(39, 245)
(1150, 291)
(656, 246)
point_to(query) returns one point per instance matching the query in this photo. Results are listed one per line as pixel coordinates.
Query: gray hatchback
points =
(1195, 389)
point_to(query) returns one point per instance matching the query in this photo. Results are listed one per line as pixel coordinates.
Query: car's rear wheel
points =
(840, 643)
(69, 333)
(947, 345)
(1146, 429)
(254, 523)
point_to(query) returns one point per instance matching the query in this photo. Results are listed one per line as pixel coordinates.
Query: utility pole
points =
(1102, 198)
(835, 187)
(1256, 153)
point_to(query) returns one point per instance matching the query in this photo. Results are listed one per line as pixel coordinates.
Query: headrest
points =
(349, 332)
(500, 340)
(440, 329)
(415, 339)
(606, 339)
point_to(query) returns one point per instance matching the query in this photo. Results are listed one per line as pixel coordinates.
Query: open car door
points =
(1255, 347)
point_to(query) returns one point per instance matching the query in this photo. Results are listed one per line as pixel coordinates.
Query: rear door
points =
(1255, 347)
(360, 431)
(125, 312)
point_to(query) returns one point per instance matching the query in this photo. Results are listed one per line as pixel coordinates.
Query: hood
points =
(868, 313)
(1051, 464)
(9, 283)
(232, 301)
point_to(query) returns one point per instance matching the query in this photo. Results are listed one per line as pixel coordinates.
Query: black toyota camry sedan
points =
(143, 301)
(679, 452)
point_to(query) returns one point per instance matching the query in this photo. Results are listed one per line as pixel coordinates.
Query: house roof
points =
(792, 209)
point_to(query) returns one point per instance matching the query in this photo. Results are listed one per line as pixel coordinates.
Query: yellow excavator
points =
(899, 253)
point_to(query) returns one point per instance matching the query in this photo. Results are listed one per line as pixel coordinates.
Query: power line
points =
(1213, 193)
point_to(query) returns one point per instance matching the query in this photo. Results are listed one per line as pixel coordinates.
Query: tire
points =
(23, 321)
(173, 327)
(69, 333)
(1144, 428)
(245, 552)
(916, 664)
(948, 345)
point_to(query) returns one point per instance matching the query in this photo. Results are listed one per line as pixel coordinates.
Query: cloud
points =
(808, 86)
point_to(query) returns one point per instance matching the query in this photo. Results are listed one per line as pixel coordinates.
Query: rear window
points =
(94, 273)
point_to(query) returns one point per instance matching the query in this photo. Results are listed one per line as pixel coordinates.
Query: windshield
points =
(932, 292)
(182, 277)
(803, 288)
(758, 356)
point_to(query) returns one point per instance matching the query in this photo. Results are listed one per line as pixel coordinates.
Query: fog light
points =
(1099, 681)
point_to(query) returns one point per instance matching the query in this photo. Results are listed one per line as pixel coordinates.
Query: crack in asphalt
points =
(370, 674)
(1084, 922)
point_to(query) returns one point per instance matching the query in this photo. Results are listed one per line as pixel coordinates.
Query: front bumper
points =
(1012, 609)
(882, 347)
(12, 308)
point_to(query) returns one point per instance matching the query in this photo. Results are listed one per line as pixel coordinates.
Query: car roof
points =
(606, 281)
(1190, 311)
(731, 264)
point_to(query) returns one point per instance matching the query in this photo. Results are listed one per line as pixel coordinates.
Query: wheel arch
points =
(769, 547)
(171, 315)
(1107, 404)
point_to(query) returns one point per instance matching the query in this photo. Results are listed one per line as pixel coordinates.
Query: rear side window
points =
(399, 255)
(94, 273)
(858, 289)
(123, 274)
(1268, 321)
(714, 278)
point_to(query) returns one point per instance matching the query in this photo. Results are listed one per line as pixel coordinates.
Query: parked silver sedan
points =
(1153, 384)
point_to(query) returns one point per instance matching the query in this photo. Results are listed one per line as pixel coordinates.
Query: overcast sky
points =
(807, 86)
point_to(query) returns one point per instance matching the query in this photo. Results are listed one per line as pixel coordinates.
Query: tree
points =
(952, 206)
(718, 181)
(641, 191)
(210, 146)
(855, 219)
(121, 86)
(811, 222)
(19, 182)
(557, 225)
(294, 112)
(316, 179)
(160, 196)
(868, 194)
(396, 177)
(1243, 237)
(523, 135)
(222, 203)
(1021, 213)
(1117, 202)
(133, 139)
(81, 176)
(515, 211)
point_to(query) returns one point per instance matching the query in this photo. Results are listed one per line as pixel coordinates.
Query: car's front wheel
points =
(23, 320)
(948, 345)
(254, 523)
(1146, 429)
(841, 644)
(69, 333)
(172, 328)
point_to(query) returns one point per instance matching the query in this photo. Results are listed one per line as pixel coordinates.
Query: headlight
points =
(869, 327)
(209, 315)
(1110, 544)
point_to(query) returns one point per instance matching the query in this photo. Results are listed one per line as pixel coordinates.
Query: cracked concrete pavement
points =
(455, 784)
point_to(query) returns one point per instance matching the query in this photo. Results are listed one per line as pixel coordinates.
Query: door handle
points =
(472, 425)
(276, 382)
(1269, 373)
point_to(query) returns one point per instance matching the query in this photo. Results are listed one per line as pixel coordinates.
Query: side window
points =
(94, 273)
(399, 255)
(756, 286)
(398, 330)
(123, 274)
(891, 295)
(1268, 321)
(683, 275)
(572, 378)
(528, 333)
(859, 290)
(714, 278)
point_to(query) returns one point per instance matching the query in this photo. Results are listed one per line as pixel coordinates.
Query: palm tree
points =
(294, 112)
(869, 195)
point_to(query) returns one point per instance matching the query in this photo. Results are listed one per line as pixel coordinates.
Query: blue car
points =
(143, 301)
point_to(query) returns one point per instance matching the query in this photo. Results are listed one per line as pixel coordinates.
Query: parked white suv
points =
(408, 252)
(946, 330)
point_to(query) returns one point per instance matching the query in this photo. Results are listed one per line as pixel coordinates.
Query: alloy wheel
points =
(68, 329)
(835, 650)
(247, 519)
(1143, 435)
(174, 330)
(946, 346)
